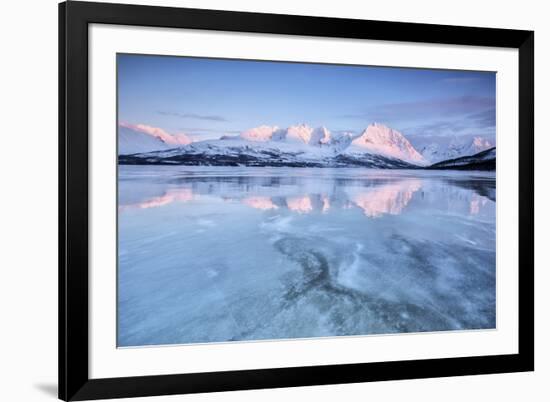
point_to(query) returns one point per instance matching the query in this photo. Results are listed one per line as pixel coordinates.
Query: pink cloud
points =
(174, 139)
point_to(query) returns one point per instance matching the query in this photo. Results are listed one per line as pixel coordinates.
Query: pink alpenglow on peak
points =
(261, 133)
(300, 134)
(380, 139)
(480, 144)
(171, 139)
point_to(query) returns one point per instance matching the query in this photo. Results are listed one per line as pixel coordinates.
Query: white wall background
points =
(28, 209)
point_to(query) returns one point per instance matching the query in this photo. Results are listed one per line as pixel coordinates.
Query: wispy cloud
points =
(403, 111)
(479, 123)
(196, 116)
(209, 130)
(460, 80)
(485, 118)
(438, 128)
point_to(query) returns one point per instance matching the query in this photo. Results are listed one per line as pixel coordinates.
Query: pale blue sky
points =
(206, 98)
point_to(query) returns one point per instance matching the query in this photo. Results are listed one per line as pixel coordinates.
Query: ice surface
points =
(214, 254)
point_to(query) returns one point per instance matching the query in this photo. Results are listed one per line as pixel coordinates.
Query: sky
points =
(207, 98)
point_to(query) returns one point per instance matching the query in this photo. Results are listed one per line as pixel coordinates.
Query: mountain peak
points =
(133, 138)
(300, 133)
(320, 136)
(480, 142)
(261, 133)
(171, 139)
(379, 138)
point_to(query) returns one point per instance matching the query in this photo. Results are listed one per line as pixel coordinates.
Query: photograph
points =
(262, 200)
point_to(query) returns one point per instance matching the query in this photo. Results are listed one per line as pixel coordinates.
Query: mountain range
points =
(378, 146)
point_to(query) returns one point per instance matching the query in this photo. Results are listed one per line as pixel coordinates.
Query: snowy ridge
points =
(237, 152)
(135, 138)
(262, 133)
(437, 149)
(377, 146)
(299, 135)
(133, 142)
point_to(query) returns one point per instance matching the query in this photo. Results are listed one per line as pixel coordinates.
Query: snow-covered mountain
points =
(239, 152)
(299, 145)
(382, 140)
(437, 149)
(140, 138)
(260, 134)
(299, 134)
(132, 142)
(320, 136)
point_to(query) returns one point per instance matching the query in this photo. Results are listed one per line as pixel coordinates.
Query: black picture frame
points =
(74, 18)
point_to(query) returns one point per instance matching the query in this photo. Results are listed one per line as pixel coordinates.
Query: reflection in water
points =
(388, 198)
(301, 204)
(262, 203)
(169, 196)
(375, 200)
(477, 203)
(219, 254)
(483, 187)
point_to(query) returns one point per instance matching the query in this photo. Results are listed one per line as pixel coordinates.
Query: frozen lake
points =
(215, 254)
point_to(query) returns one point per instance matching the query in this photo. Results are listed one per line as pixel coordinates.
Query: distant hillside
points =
(484, 160)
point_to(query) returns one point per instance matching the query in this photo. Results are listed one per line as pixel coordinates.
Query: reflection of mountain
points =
(376, 199)
(374, 195)
(301, 204)
(484, 188)
(169, 196)
(387, 199)
(477, 203)
(263, 203)
(373, 201)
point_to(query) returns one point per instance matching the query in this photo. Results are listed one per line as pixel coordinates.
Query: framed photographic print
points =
(257, 200)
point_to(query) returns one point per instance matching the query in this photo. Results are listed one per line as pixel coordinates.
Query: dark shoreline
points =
(472, 162)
